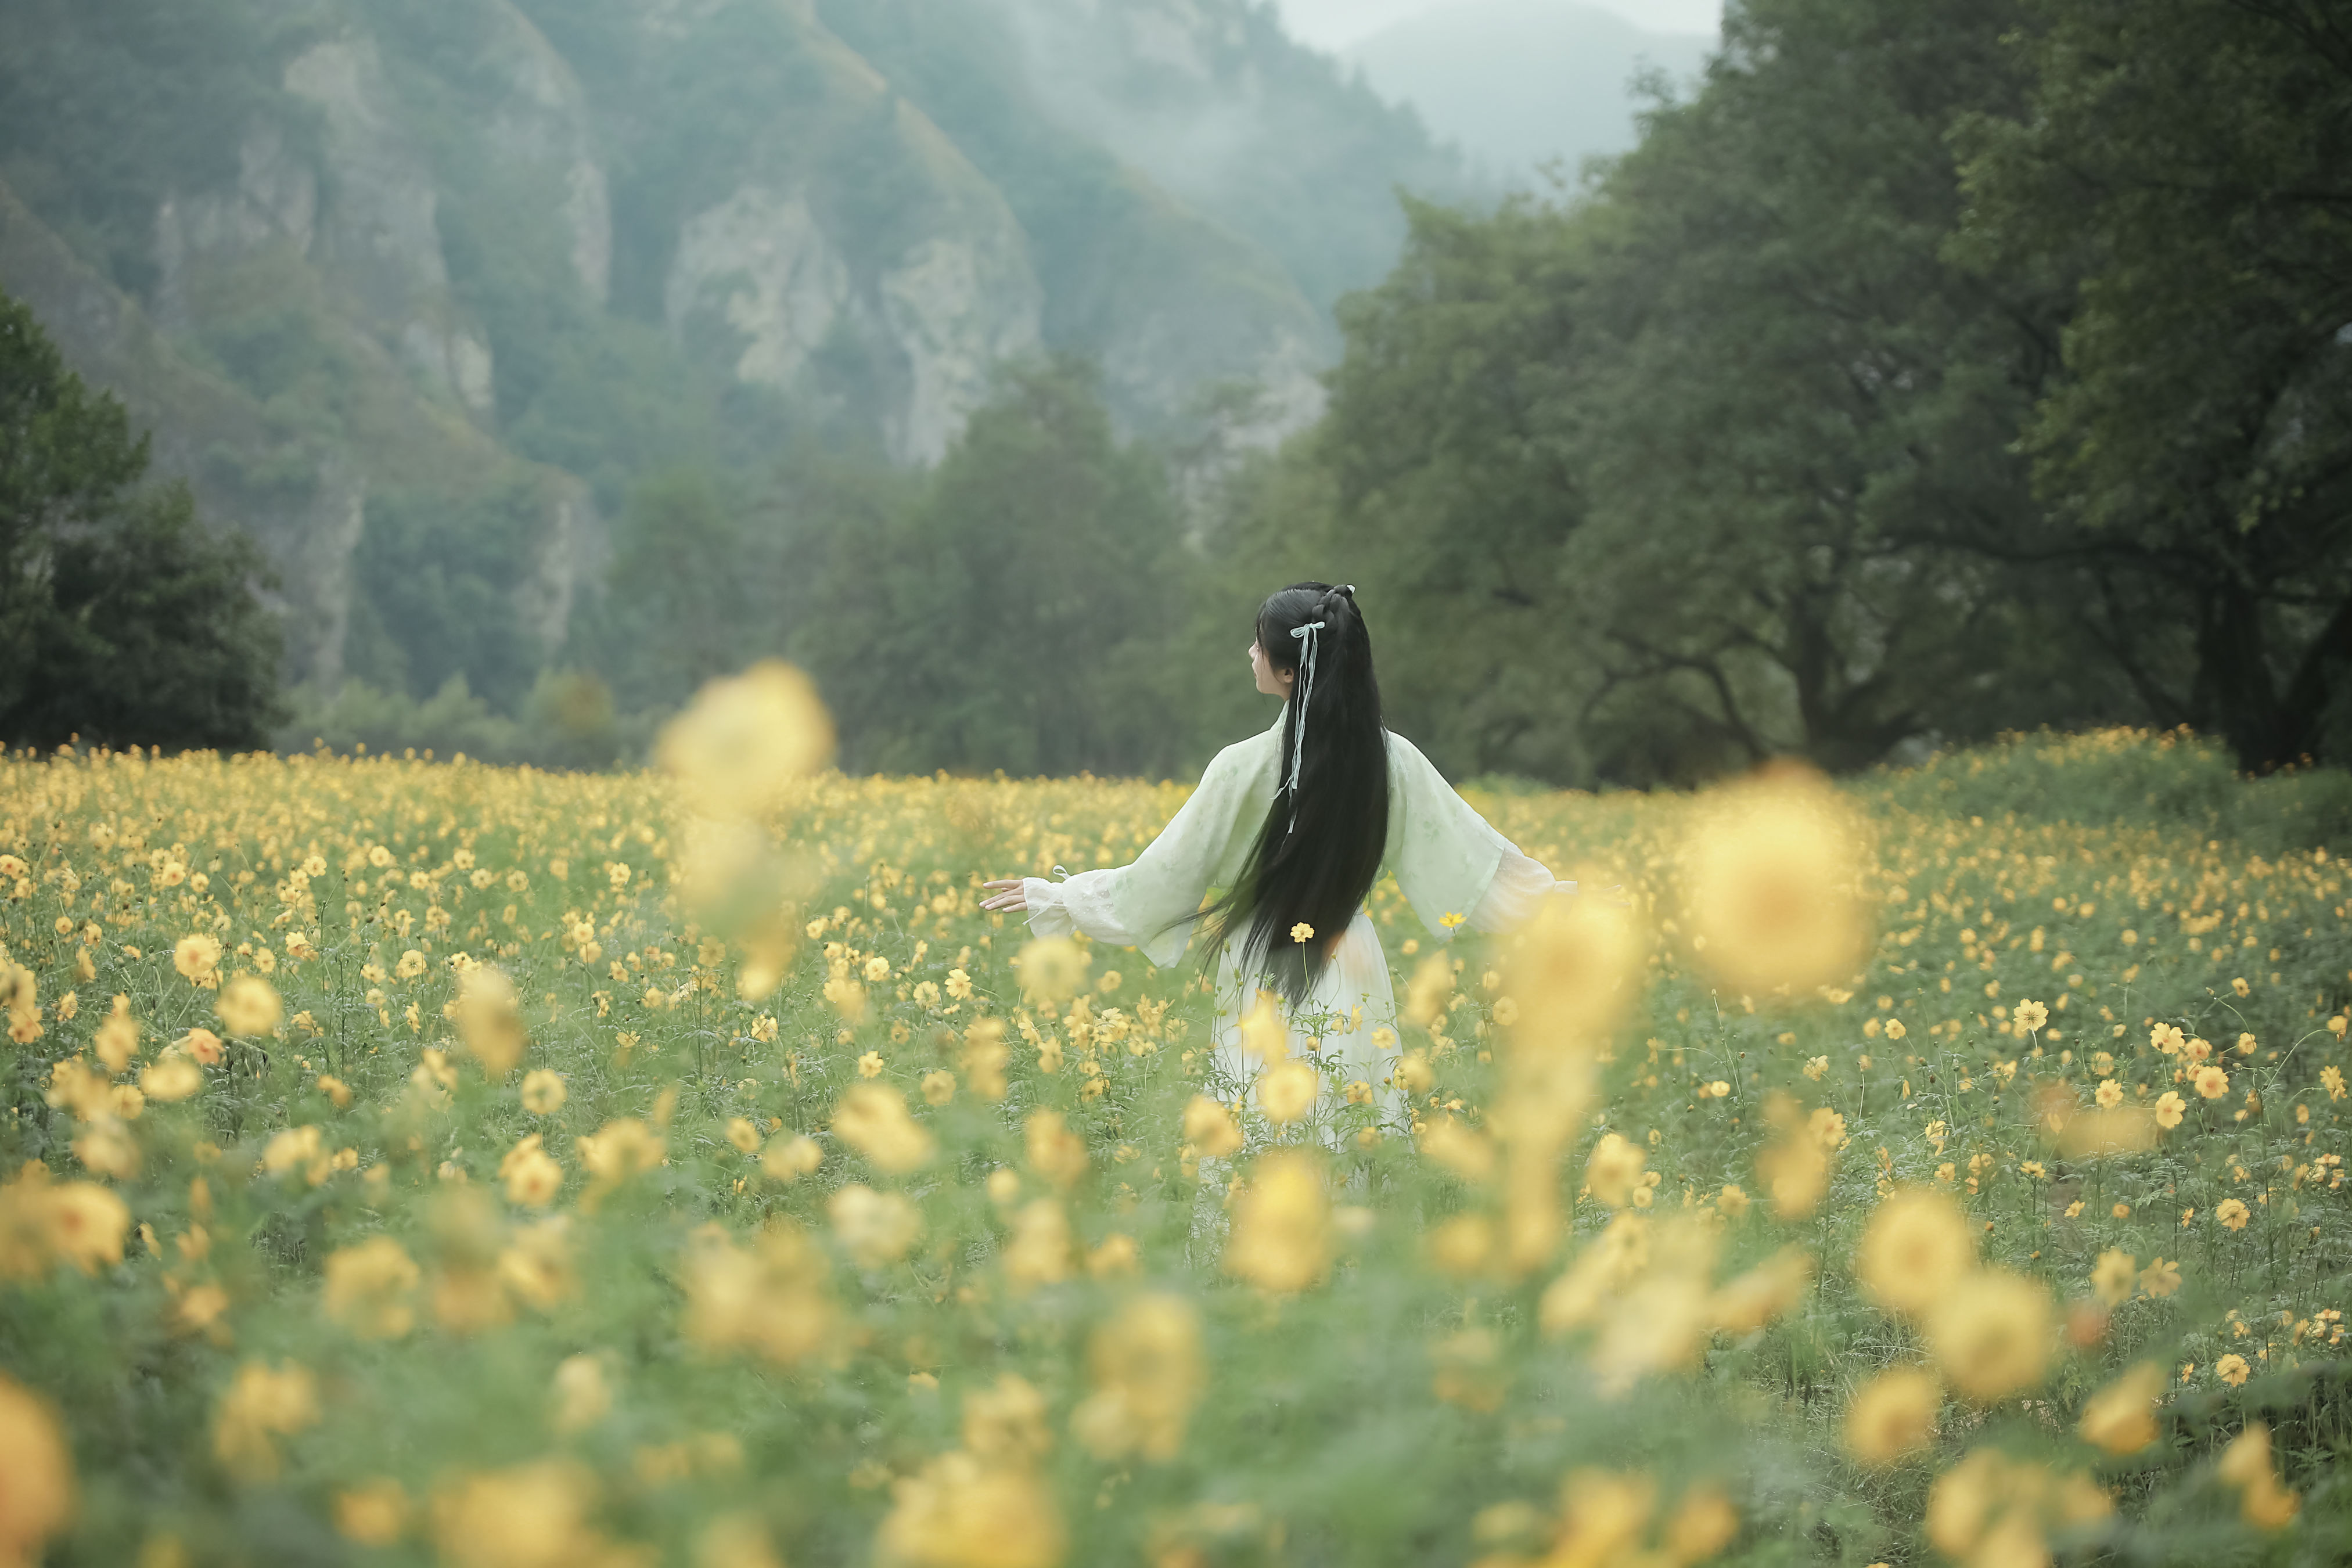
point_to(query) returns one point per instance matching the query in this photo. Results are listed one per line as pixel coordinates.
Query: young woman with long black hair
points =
(1295, 825)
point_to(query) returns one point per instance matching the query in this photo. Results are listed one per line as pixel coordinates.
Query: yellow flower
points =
(877, 1227)
(1052, 968)
(2110, 1094)
(1039, 1250)
(197, 956)
(2169, 1108)
(617, 1150)
(2232, 1369)
(870, 1065)
(1916, 1247)
(2246, 1465)
(1210, 1128)
(529, 1516)
(543, 1093)
(2160, 1278)
(1281, 1235)
(872, 1118)
(2231, 1213)
(2167, 1038)
(490, 1020)
(1768, 884)
(531, 1175)
(1894, 1416)
(367, 1286)
(2211, 1080)
(938, 1087)
(373, 1513)
(959, 1512)
(1302, 932)
(1057, 1154)
(1990, 1332)
(2112, 1279)
(37, 1497)
(262, 1404)
(1149, 1374)
(1612, 1170)
(790, 1159)
(583, 1395)
(1285, 1091)
(249, 1005)
(2030, 1017)
(2121, 1417)
(172, 1076)
(743, 743)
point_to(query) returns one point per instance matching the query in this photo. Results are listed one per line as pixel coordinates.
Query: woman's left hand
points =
(1009, 895)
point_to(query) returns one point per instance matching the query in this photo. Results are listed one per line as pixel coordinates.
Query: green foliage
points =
(107, 106)
(568, 720)
(121, 619)
(2175, 781)
(2186, 165)
(1016, 615)
(443, 581)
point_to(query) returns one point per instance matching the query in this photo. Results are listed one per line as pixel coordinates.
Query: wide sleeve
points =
(1519, 888)
(1136, 905)
(1450, 860)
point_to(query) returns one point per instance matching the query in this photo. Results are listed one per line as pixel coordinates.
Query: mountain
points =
(418, 289)
(1515, 83)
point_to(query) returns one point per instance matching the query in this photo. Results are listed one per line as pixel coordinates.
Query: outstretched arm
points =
(1456, 868)
(1135, 905)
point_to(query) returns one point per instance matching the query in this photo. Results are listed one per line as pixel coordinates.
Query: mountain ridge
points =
(451, 276)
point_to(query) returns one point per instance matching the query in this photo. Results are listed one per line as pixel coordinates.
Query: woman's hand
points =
(1009, 895)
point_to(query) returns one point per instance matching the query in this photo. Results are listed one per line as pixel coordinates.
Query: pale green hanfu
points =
(1448, 858)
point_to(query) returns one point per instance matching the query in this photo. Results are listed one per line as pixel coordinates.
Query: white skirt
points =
(1348, 1020)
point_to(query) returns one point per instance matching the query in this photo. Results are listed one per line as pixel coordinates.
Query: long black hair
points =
(1318, 851)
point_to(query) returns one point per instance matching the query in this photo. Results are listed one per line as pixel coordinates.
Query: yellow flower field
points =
(412, 1161)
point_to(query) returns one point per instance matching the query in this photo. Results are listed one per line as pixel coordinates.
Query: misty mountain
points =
(1517, 82)
(419, 290)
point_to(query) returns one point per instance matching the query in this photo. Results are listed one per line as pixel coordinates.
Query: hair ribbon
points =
(1298, 731)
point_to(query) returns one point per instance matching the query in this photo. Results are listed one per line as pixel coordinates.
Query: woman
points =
(1296, 825)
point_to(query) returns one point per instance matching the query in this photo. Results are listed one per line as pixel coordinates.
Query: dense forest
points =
(1932, 369)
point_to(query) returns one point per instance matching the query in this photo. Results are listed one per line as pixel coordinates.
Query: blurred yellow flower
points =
(1769, 883)
(197, 957)
(1893, 1416)
(1992, 1332)
(1916, 1246)
(1148, 1374)
(367, 1286)
(1281, 1236)
(877, 1228)
(36, 1496)
(2121, 1417)
(262, 1404)
(543, 1093)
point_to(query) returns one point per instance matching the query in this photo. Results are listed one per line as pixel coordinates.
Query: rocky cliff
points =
(415, 291)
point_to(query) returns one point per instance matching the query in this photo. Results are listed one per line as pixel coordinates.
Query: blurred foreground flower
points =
(1770, 883)
(1148, 1372)
(1995, 1510)
(744, 742)
(263, 1403)
(1282, 1231)
(36, 1474)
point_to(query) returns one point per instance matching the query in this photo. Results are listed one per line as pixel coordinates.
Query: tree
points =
(1668, 479)
(2190, 161)
(1018, 615)
(121, 619)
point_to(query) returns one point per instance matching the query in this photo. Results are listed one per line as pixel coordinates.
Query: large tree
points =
(2191, 160)
(1018, 615)
(122, 619)
(1673, 475)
